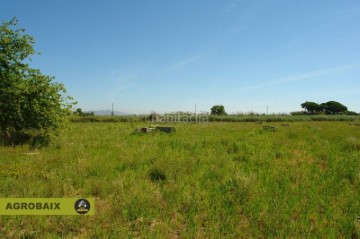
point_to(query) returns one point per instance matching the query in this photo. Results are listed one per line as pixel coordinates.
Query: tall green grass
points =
(210, 180)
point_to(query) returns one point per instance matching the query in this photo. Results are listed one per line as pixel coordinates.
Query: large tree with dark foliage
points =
(311, 107)
(218, 110)
(330, 108)
(333, 107)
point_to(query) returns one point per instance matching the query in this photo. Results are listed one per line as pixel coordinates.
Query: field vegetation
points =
(187, 117)
(209, 180)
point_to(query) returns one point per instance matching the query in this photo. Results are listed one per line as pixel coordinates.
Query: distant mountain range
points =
(107, 112)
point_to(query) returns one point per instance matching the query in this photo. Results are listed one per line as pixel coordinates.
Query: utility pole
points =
(195, 114)
(267, 109)
(112, 109)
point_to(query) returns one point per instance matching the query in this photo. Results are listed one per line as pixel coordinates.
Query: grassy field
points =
(211, 180)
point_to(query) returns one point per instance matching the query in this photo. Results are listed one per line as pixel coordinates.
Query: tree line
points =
(328, 108)
(79, 112)
(311, 108)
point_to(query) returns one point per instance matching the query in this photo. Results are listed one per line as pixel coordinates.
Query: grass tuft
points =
(157, 175)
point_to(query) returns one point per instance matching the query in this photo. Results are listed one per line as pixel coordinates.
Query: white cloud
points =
(305, 76)
(185, 62)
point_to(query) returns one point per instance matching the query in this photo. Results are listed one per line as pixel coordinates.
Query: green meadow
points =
(206, 180)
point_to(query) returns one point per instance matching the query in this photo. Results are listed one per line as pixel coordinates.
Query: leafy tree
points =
(30, 103)
(311, 107)
(218, 110)
(79, 112)
(333, 107)
(330, 107)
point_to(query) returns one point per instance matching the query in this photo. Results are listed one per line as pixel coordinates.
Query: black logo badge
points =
(82, 206)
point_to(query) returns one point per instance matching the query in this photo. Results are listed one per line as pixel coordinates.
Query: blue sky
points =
(169, 55)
